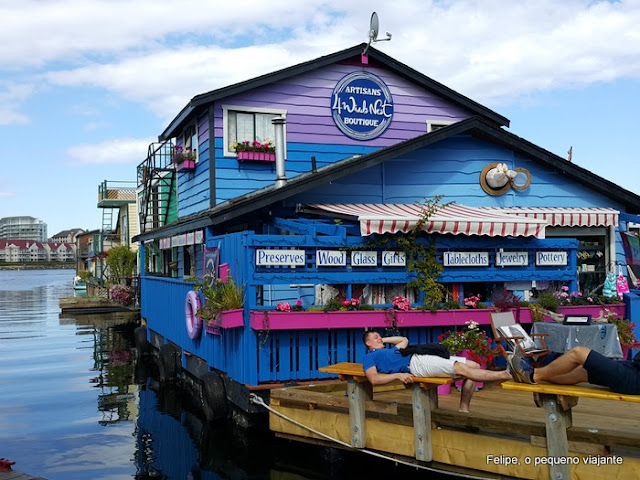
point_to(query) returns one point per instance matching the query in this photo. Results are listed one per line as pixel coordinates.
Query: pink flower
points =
(401, 303)
(299, 303)
(283, 307)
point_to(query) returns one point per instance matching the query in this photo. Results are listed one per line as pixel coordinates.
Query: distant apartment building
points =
(23, 228)
(67, 236)
(23, 251)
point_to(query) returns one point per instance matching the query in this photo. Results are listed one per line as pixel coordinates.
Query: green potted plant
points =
(470, 342)
(626, 332)
(223, 303)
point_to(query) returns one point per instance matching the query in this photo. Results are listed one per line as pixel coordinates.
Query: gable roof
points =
(199, 102)
(475, 126)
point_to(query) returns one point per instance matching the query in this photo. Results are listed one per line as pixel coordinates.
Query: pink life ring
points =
(194, 323)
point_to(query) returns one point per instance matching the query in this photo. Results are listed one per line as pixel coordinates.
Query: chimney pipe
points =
(281, 177)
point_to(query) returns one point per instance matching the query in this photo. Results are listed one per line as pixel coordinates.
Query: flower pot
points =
(444, 389)
(625, 352)
(483, 364)
(259, 156)
(226, 319)
(187, 165)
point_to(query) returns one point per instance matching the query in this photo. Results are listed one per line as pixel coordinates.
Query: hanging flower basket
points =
(260, 156)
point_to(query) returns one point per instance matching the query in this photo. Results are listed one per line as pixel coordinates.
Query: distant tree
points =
(121, 262)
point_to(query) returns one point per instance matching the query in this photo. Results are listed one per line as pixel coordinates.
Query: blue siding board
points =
(304, 354)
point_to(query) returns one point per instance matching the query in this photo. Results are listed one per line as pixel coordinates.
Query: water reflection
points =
(75, 404)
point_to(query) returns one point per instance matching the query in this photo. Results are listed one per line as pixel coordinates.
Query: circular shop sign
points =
(362, 106)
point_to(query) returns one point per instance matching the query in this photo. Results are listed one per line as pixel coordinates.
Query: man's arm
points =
(399, 342)
(376, 378)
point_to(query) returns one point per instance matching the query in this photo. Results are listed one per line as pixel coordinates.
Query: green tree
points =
(121, 262)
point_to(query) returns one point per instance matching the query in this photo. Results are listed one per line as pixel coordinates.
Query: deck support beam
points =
(424, 399)
(557, 409)
(358, 392)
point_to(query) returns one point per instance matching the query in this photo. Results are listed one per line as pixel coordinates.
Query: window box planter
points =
(272, 320)
(259, 156)
(186, 166)
(226, 319)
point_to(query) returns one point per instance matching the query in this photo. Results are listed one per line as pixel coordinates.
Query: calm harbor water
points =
(75, 404)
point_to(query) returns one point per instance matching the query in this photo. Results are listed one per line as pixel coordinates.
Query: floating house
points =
(352, 153)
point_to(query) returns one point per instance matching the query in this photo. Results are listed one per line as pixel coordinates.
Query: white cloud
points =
(11, 97)
(160, 53)
(111, 152)
(490, 50)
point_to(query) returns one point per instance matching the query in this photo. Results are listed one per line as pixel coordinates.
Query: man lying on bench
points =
(578, 365)
(383, 365)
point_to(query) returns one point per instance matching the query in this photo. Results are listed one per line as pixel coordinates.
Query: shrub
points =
(504, 300)
(121, 294)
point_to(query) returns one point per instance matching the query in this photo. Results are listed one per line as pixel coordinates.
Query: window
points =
(242, 124)
(190, 139)
(433, 125)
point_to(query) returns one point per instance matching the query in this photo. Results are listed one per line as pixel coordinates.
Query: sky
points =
(87, 85)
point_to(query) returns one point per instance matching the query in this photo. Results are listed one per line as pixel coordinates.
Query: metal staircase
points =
(156, 176)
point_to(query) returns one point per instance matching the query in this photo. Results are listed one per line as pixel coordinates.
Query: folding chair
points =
(505, 329)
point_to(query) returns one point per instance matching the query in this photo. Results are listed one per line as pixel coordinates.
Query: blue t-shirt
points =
(386, 360)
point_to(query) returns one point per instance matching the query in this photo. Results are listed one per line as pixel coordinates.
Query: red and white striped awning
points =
(454, 219)
(565, 217)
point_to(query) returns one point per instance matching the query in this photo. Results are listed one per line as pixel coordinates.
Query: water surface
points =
(75, 404)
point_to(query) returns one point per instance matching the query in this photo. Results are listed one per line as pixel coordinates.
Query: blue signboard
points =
(362, 106)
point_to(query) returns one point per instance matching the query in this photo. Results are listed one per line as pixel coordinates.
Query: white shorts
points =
(433, 365)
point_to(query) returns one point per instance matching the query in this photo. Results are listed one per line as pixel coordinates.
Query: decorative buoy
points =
(193, 320)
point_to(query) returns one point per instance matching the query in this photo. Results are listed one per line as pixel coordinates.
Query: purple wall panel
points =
(307, 99)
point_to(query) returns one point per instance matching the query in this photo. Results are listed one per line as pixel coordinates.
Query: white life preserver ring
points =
(194, 322)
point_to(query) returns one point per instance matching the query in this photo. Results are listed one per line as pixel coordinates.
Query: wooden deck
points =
(502, 423)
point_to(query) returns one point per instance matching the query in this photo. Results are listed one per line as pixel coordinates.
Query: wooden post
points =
(557, 419)
(358, 392)
(425, 397)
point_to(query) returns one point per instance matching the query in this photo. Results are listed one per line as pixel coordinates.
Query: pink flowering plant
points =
(401, 303)
(254, 146)
(283, 307)
(350, 304)
(121, 294)
(471, 338)
(472, 301)
(180, 154)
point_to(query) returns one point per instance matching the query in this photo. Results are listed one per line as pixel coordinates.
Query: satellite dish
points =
(374, 27)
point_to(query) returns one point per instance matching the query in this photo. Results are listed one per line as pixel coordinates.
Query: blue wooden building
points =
(358, 140)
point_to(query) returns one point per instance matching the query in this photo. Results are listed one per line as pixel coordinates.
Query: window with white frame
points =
(248, 124)
(433, 125)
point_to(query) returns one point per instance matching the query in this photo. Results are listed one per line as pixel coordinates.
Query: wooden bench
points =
(424, 400)
(557, 401)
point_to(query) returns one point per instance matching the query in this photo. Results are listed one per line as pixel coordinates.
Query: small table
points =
(601, 337)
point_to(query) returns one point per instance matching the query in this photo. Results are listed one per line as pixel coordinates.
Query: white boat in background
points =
(79, 284)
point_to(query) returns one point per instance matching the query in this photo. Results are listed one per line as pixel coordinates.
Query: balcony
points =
(115, 194)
